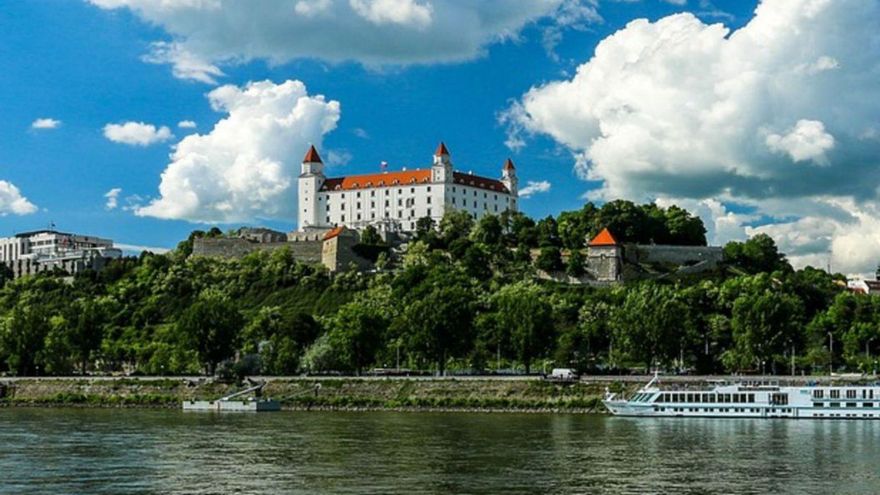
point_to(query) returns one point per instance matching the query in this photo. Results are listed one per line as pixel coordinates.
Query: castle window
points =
(386, 192)
(359, 216)
(358, 205)
(399, 202)
(372, 193)
(412, 190)
(429, 199)
(372, 204)
(429, 188)
(372, 215)
(400, 214)
(343, 195)
(386, 203)
(328, 206)
(453, 200)
(327, 220)
(359, 193)
(453, 188)
(475, 192)
(342, 218)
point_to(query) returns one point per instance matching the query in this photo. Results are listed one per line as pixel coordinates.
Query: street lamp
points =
(831, 353)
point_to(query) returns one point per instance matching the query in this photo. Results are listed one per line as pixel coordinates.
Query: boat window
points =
(818, 394)
(851, 404)
(752, 398)
(850, 394)
(818, 404)
(868, 404)
(834, 404)
(835, 394)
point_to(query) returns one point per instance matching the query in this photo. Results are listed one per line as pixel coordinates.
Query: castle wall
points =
(231, 248)
(709, 256)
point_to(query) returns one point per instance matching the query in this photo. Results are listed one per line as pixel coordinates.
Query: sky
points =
(142, 120)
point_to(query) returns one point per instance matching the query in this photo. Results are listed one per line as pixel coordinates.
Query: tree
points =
(22, 337)
(756, 255)
(355, 333)
(488, 231)
(439, 324)
(370, 236)
(549, 260)
(523, 309)
(683, 228)
(85, 331)
(455, 225)
(648, 327)
(548, 233)
(765, 323)
(210, 327)
(575, 264)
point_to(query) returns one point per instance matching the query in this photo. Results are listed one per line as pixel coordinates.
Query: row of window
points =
(784, 410)
(848, 404)
(705, 398)
(866, 393)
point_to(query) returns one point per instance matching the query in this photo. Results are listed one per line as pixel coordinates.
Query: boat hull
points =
(232, 405)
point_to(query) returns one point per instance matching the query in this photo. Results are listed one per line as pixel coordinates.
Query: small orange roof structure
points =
(508, 165)
(604, 238)
(441, 149)
(333, 233)
(312, 156)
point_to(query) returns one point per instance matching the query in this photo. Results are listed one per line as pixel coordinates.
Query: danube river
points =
(158, 451)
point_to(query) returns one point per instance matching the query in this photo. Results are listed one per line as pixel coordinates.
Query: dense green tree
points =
(355, 334)
(650, 325)
(549, 259)
(370, 236)
(759, 254)
(488, 231)
(210, 327)
(575, 264)
(439, 324)
(455, 225)
(22, 337)
(523, 309)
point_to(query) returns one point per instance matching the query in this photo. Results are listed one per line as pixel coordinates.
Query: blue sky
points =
(87, 64)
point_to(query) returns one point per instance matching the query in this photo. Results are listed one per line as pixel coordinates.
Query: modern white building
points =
(394, 201)
(44, 250)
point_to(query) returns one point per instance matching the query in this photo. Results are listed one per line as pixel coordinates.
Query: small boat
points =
(757, 399)
(236, 402)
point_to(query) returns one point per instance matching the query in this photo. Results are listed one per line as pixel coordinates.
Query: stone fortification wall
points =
(304, 251)
(707, 256)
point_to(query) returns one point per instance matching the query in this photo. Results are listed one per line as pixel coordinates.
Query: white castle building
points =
(394, 201)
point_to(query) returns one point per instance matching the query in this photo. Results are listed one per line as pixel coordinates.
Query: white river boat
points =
(756, 399)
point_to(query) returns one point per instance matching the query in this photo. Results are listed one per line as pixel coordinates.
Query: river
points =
(103, 451)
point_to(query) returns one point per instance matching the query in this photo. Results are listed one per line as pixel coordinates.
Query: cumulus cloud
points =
(206, 34)
(12, 201)
(186, 124)
(246, 166)
(683, 109)
(45, 123)
(112, 197)
(806, 141)
(534, 187)
(137, 133)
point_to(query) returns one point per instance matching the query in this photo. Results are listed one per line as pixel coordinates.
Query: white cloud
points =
(137, 133)
(112, 198)
(204, 35)
(11, 201)
(187, 124)
(246, 166)
(534, 187)
(136, 249)
(806, 141)
(682, 109)
(45, 123)
(184, 63)
(403, 12)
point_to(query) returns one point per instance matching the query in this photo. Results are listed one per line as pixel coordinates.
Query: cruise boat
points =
(757, 399)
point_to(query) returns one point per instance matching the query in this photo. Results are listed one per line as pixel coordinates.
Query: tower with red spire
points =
(508, 178)
(441, 170)
(310, 181)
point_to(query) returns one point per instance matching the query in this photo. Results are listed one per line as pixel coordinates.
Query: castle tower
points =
(310, 181)
(441, 170)
(604, 257)
(508, 177)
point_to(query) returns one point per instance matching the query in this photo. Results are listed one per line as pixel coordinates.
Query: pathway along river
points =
(100, 451)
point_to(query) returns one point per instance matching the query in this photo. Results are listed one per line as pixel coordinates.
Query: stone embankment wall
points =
(231, 248)
(507, 394)
(678, 255)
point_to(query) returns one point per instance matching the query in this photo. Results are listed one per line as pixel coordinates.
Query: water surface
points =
(146, 451)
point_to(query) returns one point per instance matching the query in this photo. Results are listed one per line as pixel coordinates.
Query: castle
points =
(394, 201)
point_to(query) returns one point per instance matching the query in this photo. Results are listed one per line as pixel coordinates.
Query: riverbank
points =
(419, 394)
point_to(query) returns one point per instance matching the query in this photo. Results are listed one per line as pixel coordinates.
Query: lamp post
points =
(868, 348)
(830, 353)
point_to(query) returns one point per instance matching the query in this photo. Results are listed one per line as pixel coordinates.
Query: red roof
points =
(333, 233)
(403, 178)
(604, 239)
(441, 150)
(385, 179)
(312, 156)
(508, 165)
